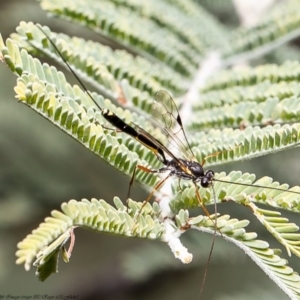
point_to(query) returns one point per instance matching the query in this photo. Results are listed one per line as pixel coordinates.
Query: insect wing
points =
(167, 118)
(154, 145)
(164, 109)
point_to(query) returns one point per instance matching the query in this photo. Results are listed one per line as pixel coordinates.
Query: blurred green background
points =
(41, 167)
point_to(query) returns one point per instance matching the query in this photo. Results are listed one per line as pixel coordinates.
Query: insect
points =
(167, 115)
(184, 167)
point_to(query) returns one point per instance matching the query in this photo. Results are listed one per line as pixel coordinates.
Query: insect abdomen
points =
(119, 123)
(122, 126)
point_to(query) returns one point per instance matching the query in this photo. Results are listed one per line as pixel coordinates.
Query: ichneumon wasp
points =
(183, 166)
(166, 116)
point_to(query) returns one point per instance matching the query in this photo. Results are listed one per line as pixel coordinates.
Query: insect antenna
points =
(257, 186)
(69, 67)
(212, 245)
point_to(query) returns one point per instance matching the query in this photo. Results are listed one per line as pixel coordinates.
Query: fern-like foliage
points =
(121, 24)
(280, 26)
(45, 242)
(240, 113)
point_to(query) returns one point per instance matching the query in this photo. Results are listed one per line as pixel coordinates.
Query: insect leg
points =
(200, 201)
(217, 153)
(144, 169)
(204, 208)
(155, 189)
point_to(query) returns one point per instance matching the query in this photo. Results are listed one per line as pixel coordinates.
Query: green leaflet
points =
(101, 65)
(253, 141)
(120, 24)
(53, 98)
(226, 191)
(280, 26)
(263, 75)
(252, 96)
(46, 241)
(258, 97)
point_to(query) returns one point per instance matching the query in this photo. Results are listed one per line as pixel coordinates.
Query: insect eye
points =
(205, 182)
(209, 174)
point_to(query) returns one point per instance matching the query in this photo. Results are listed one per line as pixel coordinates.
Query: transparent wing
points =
(154, 145)
(167, 117)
